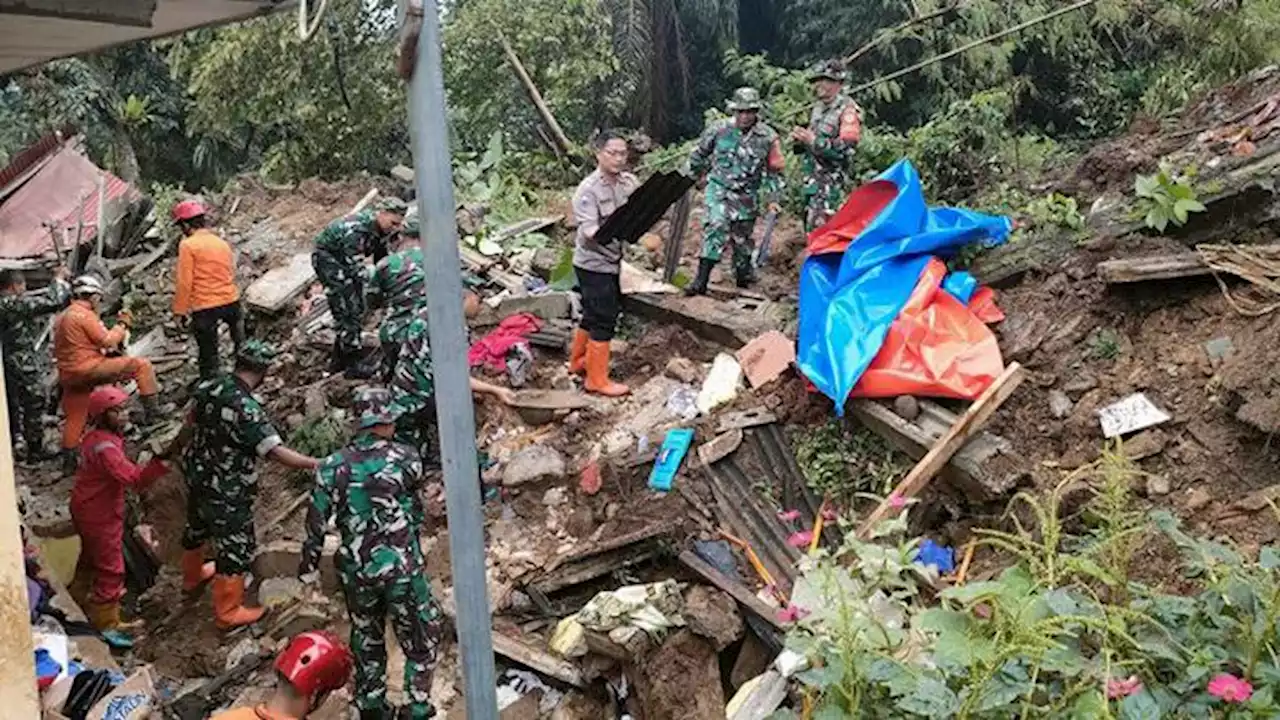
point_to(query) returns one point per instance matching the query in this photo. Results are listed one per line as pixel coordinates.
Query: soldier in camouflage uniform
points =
(826, 146)
(229, 430)
(371, 489)
(741, 160)
(338, 269)
(22, 319)
(399, 284)
(413, 388)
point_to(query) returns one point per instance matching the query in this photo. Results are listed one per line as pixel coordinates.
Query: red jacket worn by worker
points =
(97, 507)
(206, 273)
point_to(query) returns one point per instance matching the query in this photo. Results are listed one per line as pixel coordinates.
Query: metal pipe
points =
(433, 179)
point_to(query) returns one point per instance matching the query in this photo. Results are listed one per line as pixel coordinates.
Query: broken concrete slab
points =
(684, 370)
(280, 286)
(732, 324)
(719, 448)
(547, 306)
(766, 358)
(758, 698)
(532, 464)
(745, 419)
(280, 559)
(634, 281)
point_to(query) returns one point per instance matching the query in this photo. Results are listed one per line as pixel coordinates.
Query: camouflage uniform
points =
(413, 389)
(399, 284)
(836, 126)
(21, 322)
(231, 430)
(742, 166)
(339, 271)
(371, 489)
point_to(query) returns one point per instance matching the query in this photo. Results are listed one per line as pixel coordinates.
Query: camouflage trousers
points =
(419, 431)
(343, 284)
(823, 196)
(720, 231)
(221, 511)
(24, 392)
(416, 620)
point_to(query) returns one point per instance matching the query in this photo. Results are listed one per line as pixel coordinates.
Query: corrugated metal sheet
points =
(23, 161)
(54, 195)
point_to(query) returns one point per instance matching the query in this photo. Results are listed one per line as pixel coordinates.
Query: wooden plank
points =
(735, 589)
(536, 658)
(1152, 267)
(577, 572)
(933, 461)
(131, 13)
(281, 285)
(730, 324)
(161, 250)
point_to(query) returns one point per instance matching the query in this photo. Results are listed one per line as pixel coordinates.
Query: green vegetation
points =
(1166, 197)
(1063, 632)
(841, 460)
(320, 436)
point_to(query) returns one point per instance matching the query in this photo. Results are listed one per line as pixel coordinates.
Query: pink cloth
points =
(491, 350)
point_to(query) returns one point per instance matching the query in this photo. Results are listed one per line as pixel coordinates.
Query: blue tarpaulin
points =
(848, 300)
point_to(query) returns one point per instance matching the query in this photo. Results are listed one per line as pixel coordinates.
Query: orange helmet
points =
(104, 398)
(188, 209)
(315, 662)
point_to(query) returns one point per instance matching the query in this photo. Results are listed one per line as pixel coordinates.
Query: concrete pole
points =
(433, 178)
(18, 693)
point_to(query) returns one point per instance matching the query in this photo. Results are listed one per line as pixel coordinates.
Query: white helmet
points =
(87, 285)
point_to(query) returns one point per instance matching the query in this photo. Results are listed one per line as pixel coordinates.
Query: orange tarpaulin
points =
(936, 347)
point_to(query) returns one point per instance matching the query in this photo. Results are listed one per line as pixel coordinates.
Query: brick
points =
(766, 357)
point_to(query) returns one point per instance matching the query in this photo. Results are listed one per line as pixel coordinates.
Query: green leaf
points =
(1146, 186)
(1061, 602)
(1190, 205)
(1179, 213)
(1140, 706)
(1157, 218)
(1089, 705)
(830, 712)
(823, 677)
(932, 698)
(973, 592)
(1269, 557)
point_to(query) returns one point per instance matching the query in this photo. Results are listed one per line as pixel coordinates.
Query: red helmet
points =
(104, 398)
(188, 209)
(315, 662)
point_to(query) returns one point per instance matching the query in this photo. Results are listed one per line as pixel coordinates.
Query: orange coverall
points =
(206, 274)
(79, 339)
(254, 713)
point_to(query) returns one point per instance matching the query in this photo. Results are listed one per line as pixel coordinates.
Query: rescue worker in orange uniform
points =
(80, 344)
(97, 509)
(206, 284)
(314, 664)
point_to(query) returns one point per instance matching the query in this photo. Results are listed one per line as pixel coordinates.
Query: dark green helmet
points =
(828, 70)
(745, 98)
(392, 205)
(373, 406)
(255, 355)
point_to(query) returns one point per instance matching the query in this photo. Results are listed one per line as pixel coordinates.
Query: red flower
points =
(789, 515)
(1121, 688)
(792, 613)
(1230, 688)
(800, 539)
(897, 501)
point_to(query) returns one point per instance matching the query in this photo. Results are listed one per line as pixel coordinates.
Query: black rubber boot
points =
(745, 277)
(699, 284)
(150, 410)
(375, 714)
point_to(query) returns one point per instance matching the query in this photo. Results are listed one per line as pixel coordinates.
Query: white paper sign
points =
(1129, 415)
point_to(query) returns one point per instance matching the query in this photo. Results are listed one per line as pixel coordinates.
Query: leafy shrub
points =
(1166, 197)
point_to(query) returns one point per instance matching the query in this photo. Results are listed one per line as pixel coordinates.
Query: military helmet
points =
(374, 406)
(392, 205)
(411, 227)
(255, 355)
(745, 98)
(828, 70)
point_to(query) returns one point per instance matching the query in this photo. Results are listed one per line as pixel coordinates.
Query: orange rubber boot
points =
(195, 571)
(578, 352)
(228, 603)
(598, 381)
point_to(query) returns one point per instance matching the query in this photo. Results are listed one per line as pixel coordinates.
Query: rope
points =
(1257, 265)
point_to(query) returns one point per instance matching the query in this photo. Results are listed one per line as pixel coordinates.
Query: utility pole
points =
(433, 179)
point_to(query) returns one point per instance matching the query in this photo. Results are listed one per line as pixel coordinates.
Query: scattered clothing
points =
(491, 350)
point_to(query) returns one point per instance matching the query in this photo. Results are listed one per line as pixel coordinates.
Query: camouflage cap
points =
(828, 70)
(745, 98)
(392, 205)
(255, 355)
(411, 227)
(374, 406)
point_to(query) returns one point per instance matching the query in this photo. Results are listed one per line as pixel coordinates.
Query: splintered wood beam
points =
(132, 13)
(933, 461)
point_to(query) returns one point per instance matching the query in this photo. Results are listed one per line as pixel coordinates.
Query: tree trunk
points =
(126, 159)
